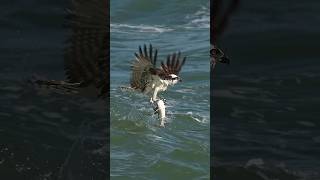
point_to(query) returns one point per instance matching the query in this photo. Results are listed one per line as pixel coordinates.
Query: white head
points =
(173, 79)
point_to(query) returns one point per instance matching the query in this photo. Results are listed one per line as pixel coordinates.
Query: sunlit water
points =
(140, 149)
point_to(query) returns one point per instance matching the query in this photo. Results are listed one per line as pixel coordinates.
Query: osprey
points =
(218, 26)
(149, 79)
(87, 52)
(217, 55)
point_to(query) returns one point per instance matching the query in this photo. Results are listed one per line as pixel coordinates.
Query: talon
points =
(156, 109)
(162, 124)
(164, 101)
(152, 100)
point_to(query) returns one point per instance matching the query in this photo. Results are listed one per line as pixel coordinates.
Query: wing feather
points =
(155, 58)
(150, 53)
(172, 65)
(178, 61)
(86, 54)
(143, 67)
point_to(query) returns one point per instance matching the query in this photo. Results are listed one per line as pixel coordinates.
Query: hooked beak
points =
(180, 80)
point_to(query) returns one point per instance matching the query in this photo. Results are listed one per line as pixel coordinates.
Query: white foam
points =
(200, 19)
(127, 28)
(198, 117)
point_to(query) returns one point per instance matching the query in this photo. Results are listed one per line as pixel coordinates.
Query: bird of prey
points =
(87, 52)
(218, 26)
(149, 79)
(218, 55)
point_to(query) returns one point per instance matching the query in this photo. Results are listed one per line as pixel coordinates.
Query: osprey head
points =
(219, 56)
(173, 79)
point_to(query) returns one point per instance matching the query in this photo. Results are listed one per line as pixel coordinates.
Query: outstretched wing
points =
(220, 19)
(173, 65)
(143, 67)
(87, 49)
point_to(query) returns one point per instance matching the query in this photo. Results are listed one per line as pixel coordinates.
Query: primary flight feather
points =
(148, 78)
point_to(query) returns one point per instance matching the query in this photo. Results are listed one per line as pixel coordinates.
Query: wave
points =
(127, 28)
(260, 170)
(200, 19)
(198, 118)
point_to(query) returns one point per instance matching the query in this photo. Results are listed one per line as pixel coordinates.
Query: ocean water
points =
(43, 135)
(139, 148)
(265, 107)
(266, 103)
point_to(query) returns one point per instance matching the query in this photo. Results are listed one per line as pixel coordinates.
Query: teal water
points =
(265, 102)
(139, 148)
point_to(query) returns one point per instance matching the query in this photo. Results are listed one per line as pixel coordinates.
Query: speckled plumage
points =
(149, 79)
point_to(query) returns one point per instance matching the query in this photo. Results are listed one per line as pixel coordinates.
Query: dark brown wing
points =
(218, 25)
(221, 18)
(87, 52)
(143, 67)
(173, 64)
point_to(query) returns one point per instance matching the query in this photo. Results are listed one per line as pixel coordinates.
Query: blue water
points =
(139, 148)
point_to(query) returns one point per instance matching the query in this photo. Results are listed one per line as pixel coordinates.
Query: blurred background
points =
(265, 103)
(43, 135)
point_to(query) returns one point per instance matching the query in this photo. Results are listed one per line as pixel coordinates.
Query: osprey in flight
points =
(87, 52)
(149, 79)
(218, 25)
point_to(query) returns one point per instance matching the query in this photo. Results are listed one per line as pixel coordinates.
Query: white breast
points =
(161, 84)
(156, 82)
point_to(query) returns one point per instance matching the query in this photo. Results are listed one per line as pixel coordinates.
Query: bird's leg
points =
(162, 123)
(154, 99)
(163, 99)
(154, 96)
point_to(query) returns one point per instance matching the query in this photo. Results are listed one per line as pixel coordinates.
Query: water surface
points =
(139, 148)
